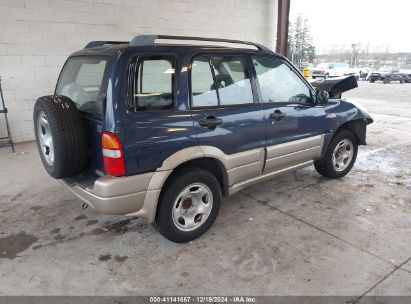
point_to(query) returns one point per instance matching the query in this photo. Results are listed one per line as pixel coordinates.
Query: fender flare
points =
(149, 209)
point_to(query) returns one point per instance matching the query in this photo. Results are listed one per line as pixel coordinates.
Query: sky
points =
(382, 25)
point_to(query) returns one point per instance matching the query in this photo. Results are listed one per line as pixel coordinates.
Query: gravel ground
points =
(299, 234)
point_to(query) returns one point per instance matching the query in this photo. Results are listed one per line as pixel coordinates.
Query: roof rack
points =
(147, 40)
(92, 44)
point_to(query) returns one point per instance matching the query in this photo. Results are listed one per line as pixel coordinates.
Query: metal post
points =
(4, 110)
(282, 27)
(353, 55)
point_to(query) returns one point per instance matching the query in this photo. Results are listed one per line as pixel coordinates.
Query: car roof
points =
(148, 43)
(112, 50)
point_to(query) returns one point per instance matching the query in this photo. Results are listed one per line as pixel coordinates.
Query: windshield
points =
(82, 80)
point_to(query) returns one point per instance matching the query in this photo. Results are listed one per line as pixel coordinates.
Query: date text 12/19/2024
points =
(203, 299)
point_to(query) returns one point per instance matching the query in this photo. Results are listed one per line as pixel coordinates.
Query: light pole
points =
(353, 63)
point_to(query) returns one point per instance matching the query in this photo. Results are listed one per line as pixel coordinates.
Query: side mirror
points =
(321, 97)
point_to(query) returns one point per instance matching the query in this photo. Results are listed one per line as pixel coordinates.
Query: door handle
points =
(210, 121)
(277, 115)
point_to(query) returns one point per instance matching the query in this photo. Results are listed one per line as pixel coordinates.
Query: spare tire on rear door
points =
(60, 135)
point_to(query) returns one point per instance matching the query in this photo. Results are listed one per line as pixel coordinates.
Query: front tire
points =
(340, 155)
(189, 205)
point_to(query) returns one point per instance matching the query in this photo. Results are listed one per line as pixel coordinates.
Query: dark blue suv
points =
(162, 131)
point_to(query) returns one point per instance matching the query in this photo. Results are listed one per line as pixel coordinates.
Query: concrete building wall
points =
(36, 36)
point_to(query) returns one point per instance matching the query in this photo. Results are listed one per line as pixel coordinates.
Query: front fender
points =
(341, 113)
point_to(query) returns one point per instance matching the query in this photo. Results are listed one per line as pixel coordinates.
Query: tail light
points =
(113, 155)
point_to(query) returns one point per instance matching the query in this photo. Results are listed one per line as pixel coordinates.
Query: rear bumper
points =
(116, 195)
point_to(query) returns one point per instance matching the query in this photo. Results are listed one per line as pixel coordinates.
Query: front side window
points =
(82, 80)
(153, 88)
(279, 83)
(220, 81)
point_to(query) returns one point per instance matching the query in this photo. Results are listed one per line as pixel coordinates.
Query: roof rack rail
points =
(92, 44)
(147, 40)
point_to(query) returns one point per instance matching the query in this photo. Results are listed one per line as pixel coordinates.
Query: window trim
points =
(172, 58)
(291, 67)
(247, 70)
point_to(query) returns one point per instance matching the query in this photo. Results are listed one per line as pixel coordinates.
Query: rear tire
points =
(340, 155)
(189, 205)
(60, 136)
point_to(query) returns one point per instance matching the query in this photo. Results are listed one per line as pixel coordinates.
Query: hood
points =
(335, 86)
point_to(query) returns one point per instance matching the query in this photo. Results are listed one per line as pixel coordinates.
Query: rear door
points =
(226, 114)
(294, 124)
(155, 125)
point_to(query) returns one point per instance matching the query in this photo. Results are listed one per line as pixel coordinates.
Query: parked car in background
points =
(330, 69)
(401, 76)
(385, 74)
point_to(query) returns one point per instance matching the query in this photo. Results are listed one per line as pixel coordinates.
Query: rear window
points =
(83, 80)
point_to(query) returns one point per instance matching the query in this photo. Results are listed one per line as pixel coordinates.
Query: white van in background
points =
(330, 69)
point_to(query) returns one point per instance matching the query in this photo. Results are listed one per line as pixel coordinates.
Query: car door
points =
(226, 113)
(294, 123)
(152, 124)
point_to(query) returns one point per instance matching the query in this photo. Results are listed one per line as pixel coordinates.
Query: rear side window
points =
(84, 81)
(154, 84)
(220, 81)
(204, 93)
